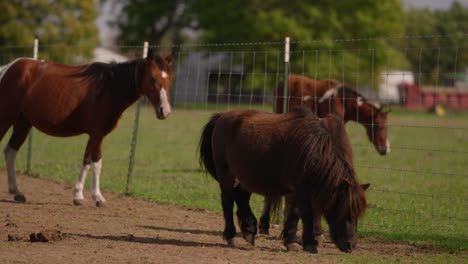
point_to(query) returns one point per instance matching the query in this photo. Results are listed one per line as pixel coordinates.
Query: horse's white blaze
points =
(359, 101)
(376, 105)
(166, 107)
(10, 156)
(164, 74)
(328, 94)
(96, 191)
(5, 68)
(78, 189)
(388, 146)
(307, 97)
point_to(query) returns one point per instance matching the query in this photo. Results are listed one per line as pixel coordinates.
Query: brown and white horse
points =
(62, 100)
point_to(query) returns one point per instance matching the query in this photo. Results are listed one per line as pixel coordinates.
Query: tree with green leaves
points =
(312, 25)
(437, 47)
(65, 29)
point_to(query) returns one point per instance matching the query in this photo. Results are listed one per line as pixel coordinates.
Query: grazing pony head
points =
(343, 217)
(156, 83)
(327, 161)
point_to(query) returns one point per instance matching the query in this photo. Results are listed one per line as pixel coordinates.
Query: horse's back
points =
(45, 93)
(251, 146)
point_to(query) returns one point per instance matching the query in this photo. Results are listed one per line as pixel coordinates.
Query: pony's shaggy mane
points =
(323, 157)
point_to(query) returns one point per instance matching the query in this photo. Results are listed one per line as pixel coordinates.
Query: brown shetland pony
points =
(326, 97)
(296, 153)
(62, 100)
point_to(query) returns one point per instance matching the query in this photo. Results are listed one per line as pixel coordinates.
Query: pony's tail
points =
(206, 155)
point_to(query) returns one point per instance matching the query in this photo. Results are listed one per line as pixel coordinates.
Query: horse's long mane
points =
(123, 78)
(323, 157)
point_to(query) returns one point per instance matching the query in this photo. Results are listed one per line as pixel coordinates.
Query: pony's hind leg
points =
(246, 218)
(227, 200)
(21, 129)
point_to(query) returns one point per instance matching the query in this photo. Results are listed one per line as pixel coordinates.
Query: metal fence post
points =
(135, 133)
(30, 136)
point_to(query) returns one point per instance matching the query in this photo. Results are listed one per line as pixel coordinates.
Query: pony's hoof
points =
(100, 203)
(19, 197)
(250, 238)
(231, 243)
(293, 246)
(263, 231)
(310, 249)
(77, 202)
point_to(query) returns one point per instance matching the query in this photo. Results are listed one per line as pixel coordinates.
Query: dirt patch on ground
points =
(130, 230)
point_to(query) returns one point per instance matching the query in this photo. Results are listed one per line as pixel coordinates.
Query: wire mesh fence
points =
(417, 190)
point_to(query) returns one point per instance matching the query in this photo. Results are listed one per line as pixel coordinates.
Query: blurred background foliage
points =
(360, 36)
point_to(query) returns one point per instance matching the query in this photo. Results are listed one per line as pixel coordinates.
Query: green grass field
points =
(418, 192)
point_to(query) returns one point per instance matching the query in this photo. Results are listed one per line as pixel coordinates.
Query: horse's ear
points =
(168, 60)
(365, 186)
(150, 55)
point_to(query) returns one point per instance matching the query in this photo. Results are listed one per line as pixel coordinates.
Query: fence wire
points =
(418, 188)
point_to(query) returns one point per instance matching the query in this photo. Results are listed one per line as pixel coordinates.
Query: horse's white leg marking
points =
(164, 74)
(388, 146)
(78, 189)
(10, 156)
(96, 192)
(307, 97)
(164, 102)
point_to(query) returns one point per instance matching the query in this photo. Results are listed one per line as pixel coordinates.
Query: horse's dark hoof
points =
(231, 243)
(250, 238)
(263, 231)
(19, 197)
(77, 202)
(100, 204)
(293, 246)
(310, 249)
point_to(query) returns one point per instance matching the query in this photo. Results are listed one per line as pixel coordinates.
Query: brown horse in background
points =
(295, 153)
(62, 100)
(326, 97)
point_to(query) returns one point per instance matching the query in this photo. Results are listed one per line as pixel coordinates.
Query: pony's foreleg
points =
(291, 219)
(309, 222)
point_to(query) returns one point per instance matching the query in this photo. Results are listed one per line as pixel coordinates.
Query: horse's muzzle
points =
(161, 114)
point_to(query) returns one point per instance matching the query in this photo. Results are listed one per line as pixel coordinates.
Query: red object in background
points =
(417, 98)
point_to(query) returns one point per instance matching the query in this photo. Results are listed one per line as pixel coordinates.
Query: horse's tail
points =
(206, 153)
(276, 206)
